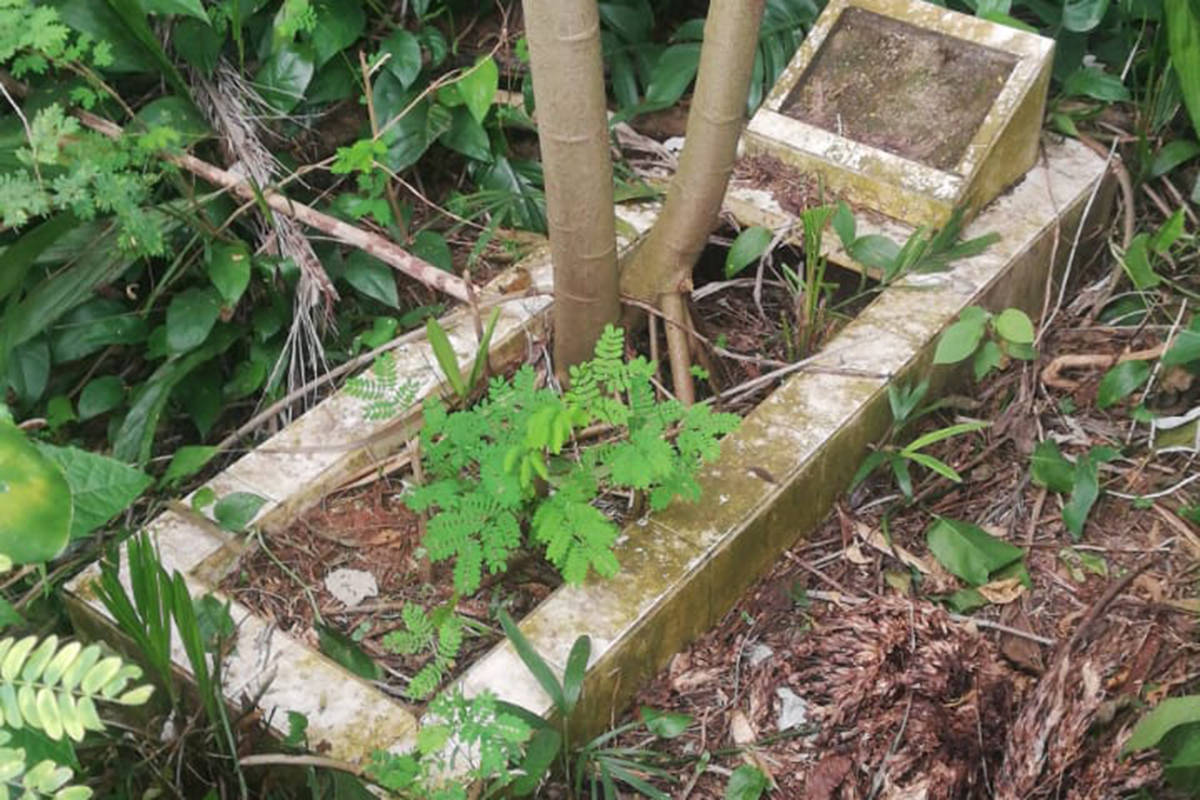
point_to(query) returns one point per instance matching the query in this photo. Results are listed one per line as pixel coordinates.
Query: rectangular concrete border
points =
(681, 569)
(1004, 147)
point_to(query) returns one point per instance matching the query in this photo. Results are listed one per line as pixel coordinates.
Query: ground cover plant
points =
(159, 311)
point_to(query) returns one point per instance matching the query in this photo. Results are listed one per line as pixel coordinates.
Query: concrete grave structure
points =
(907, 108)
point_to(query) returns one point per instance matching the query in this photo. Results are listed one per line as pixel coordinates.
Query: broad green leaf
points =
(672, 74)
(229, 270)
(432, 247)
(187, 461)
(1048, 467)
(1014, 326)
(20, 256)
(987, 358)
(198, 44)
(248, 378)
(844, 225)
(746, 783)
(540, 754)
(1097, 84)
(1168, 233)
(404, 56)
(575, 671)
(1081, 16)
(962, 338)
(202, 398)
(747, 248)
(35, 501)
(346, 652)
(664, 724)
(536, 665)
(339, 24)
(372, 277)
(968, 551)
(177, 114)
(101, 487)
(1121, 381)
(191, 316)
(1186, 347)
(285, 75)
(190, 8)
(91, 327)
(1137, 264)
(874, 251)
(214, 621)
(1183, 41)
(1161, 720)
(29, 370)
(1085, 490)
(236, 510)
(467, 136)
(478, 87)
(1172, 155)
(447, 359)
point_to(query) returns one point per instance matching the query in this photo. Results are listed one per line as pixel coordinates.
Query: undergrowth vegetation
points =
(213, 211)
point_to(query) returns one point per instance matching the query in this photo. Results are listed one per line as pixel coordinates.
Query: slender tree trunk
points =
(663, 264)
(568, 86)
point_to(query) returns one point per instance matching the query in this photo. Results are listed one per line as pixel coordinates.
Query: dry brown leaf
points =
(740, 729)
(694, 679)
(855, 555)
(1002, 592)
(875, 539)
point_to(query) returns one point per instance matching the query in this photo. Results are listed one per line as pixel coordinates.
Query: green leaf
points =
(962, 338)
(20, 256)
(101, 487)
(1085, 490)
(921, 442)
(346, 652)
(229, 270)
(1137, 264)
(198, 44)
(1081, 16)
(987, 358)
(665, 725)
(1168, 233)
(372, 277)
(478, 87)
(29, 370)
(575, 672)
(1097, 84)
(874, 251)
(935, 465)
(35, 501)
(1048, 467)
(672, 74)
(187, 461)
(1162, 719)
(190, 318)
(177, 114)
(1172, 155)
(1121, 381)
(236, 510)
(747, 248)
(533, 662)
(746, 783)
(1183, 41)
(1186, 347)
(447, 360)
(844, 225)
(190, 8)
(404, 59)
(432, 247)
(94, 325)
(540, 754)
(339, 24)
(467, 136)
(285, 75)
(1014, 325)
(968, 551)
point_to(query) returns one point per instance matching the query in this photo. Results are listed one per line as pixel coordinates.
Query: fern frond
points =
(55, 689)
(382, 389)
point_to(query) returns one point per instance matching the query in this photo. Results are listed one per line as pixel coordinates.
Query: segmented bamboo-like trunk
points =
(568, 87)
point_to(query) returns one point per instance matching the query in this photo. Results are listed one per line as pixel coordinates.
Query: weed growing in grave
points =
(989, 340)
(513, 463)
(905, 401)
(440, 634)
(385, 394)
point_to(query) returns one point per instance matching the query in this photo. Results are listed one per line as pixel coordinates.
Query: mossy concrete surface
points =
(780, 472)
(919, 189)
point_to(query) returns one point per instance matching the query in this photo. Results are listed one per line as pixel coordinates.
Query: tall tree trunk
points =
(663, 264)
(568, 86)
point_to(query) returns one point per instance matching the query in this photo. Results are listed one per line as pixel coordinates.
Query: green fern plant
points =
(504, 466)
(385, 394)
(55, 689)
(440, 634)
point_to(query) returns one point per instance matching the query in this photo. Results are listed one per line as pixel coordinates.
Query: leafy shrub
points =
(505, 464)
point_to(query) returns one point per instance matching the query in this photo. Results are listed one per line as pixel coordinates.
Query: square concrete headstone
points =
(907, 108)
